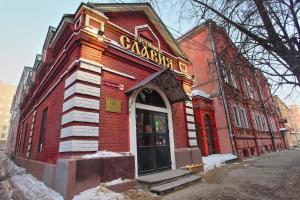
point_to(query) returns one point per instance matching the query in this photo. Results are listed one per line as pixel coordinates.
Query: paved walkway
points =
(273, 176)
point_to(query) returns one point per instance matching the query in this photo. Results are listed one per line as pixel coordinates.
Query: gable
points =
(128, 16)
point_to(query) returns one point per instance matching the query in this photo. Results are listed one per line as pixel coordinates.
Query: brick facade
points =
(240, 94)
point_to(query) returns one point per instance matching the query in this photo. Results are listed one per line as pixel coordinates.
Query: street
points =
(273, 176)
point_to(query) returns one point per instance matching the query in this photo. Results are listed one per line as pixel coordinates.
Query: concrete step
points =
(174, 185)
(152, 180)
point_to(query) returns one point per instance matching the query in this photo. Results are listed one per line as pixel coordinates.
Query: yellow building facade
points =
(7, 93)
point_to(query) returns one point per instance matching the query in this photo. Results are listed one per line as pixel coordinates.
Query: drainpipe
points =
(213, 45)
(265, 111)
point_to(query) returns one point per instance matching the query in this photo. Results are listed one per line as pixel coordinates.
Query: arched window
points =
(150, 97)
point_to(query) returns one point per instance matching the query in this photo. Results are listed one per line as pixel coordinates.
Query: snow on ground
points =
(216, 160)
(115, 182)
(102, 154)
(8, 167)
(24, 186)
(27, 187)
(98, 193)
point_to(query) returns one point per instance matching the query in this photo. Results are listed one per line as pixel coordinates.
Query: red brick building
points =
(111, 78)
(233, 111)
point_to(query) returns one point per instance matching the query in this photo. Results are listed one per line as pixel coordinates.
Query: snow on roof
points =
(102, 154)
(199, 93)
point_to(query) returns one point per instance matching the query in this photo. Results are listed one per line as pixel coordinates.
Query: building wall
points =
(243, 87)
(294, 117)
(78, 56)
(7, 92)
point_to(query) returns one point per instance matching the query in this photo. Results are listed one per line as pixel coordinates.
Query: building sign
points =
(145, 50)
(113, 85)
(113, 105)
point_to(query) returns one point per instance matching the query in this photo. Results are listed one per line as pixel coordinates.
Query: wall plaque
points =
(113, 105)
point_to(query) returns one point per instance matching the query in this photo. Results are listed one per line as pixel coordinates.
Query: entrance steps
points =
(167, 181)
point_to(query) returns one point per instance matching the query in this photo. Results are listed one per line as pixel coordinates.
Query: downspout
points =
(265, 111)
(213, 45)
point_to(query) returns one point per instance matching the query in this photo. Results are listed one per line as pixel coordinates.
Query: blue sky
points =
(24, 25)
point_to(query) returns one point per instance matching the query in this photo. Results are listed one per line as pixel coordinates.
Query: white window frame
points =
(244, 118)
(237, 118)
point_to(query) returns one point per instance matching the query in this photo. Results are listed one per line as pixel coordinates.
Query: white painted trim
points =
(192, 134)
(146, 26)
(82, 89)
(132, 124)
(81, 102)
(193, 142)
(86, 131)
(83, 76)
(118, 72)
(80, 116)
(152, 108)
(91, 67)
(189, 104)
(78, 145)
(191, 126)
(190, 119)
(189, 111)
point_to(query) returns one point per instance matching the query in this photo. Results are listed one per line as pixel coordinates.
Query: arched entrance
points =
(151, 130)
(209, 135)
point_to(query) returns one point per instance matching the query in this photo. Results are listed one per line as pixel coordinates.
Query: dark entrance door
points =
(153, 146)
(209, 135)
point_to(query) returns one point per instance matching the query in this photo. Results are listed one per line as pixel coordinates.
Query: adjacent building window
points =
(272, 124)
(42, 130)
(244, 118)
(229, 78)
(237, 116)
(240, 117)
(259, 121)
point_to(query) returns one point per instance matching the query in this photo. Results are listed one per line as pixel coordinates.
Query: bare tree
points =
(266, 32)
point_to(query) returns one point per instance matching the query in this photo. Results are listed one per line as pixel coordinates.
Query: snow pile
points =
(102, 154)
(9, 168)
(98, 193)
(216, 160)
(26, 187)
(115, 182)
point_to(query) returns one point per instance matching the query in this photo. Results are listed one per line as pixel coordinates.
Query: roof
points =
(147, 9)
(167, 81)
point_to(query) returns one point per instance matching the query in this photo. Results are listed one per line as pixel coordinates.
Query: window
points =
(236, 116)
(264, 123)
(42, 130)
(229, 77)
(244, 118)
(24, 139)
(272, 124)
(240, 117)
(254, 120)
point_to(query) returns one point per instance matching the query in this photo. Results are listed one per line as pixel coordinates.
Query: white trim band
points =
(81, 102)
(83, 76)
(80, 116)
(78, 145)
(82, 89)
(84, 131)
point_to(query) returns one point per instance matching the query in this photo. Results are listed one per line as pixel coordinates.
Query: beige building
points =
(287, 122)
(294, 116)
(7, 93)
